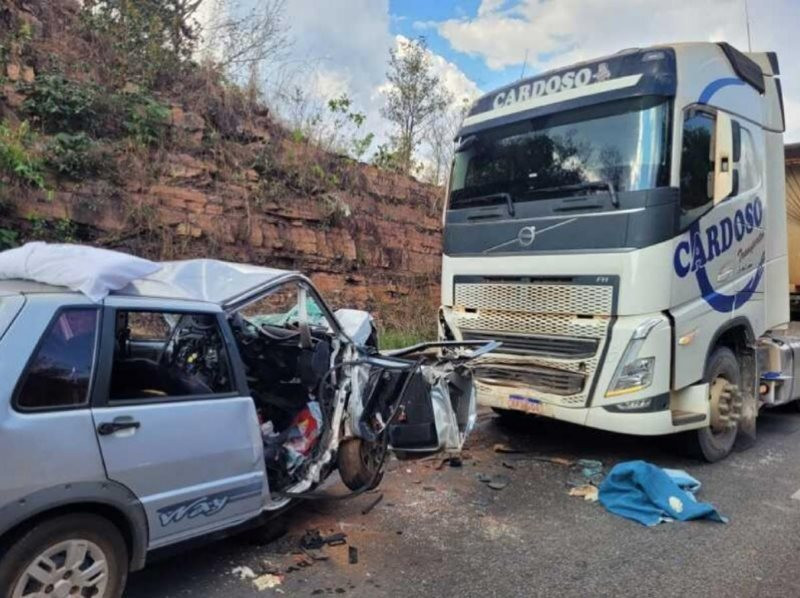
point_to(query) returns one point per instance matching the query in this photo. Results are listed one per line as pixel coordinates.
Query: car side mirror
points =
(723, 158)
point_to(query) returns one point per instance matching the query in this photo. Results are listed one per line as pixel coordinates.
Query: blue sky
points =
(342, 46)
(412, 18)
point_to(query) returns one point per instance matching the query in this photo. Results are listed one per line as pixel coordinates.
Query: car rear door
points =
(175, 423)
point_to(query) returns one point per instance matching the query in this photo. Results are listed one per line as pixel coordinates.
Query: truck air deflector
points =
(633, 73)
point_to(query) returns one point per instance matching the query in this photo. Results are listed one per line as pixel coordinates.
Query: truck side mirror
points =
(723, 158)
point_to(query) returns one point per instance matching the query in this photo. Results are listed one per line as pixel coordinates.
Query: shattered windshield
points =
(284, 308)
(625, 143)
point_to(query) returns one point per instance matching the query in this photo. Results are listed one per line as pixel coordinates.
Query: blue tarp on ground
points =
(648, 494)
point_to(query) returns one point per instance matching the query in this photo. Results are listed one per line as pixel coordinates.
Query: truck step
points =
(680, 418)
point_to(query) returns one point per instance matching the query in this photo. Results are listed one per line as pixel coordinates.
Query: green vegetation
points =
(58, 104)
(146, 118)
(73, 155)
(61, 230)
(8, 238)
(18, 158)
(397, 339)
(151, 41)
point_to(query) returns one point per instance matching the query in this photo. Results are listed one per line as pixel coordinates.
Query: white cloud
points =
(560, 33)
(343, 47)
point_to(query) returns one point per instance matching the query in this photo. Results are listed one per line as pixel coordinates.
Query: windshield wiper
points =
(502, 195)
(588, 185)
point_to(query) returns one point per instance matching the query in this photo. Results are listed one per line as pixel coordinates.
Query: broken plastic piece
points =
(587, 491)
(499, 481)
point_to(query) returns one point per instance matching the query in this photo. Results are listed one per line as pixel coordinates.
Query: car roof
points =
(213, 281)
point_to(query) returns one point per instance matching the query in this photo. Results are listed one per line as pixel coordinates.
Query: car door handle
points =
(107, 428)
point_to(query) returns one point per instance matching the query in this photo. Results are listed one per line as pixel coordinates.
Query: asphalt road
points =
(441, 532)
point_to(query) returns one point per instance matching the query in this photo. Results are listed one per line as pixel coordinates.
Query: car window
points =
(146, 325)
(165, 355)
(59, 373)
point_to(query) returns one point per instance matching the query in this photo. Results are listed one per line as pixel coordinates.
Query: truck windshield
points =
(625, 143)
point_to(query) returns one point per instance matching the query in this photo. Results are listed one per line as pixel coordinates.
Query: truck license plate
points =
(528, 404)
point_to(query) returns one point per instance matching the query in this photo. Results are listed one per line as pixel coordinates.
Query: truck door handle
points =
(107, 428)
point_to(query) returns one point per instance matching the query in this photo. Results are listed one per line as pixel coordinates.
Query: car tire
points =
(93, 544)
(704, 443)
(358, 462)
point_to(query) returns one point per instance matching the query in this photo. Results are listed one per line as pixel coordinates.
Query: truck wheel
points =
(73, 555)
(715, 442)
(358, 462)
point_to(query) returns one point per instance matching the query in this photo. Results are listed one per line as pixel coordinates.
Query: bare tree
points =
(439, 139)
(415, 98)
(240, 33)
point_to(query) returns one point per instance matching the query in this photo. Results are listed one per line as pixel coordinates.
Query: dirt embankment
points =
(194, 167)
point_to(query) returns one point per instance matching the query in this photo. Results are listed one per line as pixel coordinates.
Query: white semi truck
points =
(620, 225)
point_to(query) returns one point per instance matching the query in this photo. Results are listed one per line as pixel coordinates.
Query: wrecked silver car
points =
(196, 399)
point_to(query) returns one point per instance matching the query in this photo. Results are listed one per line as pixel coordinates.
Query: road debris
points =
(243, 572)
(352, 555)
(505, 449)
(313, 540)
(267, 581)
(372, 504)
(499, 482)
(587, 491)
(585, 471)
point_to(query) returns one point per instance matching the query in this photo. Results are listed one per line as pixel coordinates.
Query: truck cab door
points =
(176, 424)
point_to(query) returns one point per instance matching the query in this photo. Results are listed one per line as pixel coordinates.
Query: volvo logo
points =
(526, 235)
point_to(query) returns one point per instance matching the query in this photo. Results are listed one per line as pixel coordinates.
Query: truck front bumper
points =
(663, 414)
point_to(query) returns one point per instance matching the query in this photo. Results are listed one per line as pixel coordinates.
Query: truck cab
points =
(620, 225)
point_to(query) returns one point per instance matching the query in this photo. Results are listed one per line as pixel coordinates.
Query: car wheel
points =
(68, 556)
(359, 461)
(715, 442)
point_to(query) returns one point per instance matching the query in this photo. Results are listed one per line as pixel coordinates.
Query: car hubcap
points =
(726, 405)
(70, 569)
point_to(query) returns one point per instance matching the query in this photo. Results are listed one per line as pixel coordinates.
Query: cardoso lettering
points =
(551, 85)
(703, 247)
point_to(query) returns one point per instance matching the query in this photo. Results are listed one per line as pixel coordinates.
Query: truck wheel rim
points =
(73, 568)
(726, 405)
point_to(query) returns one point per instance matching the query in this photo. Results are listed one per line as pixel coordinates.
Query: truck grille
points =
(554, 332)
(542, 298)
(547, 346)
(548, 380)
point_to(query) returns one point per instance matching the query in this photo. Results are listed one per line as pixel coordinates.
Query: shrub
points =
(60, 104)
(8, 238)
(150, 40)
(74, 155)
(61, 230)
(146, 118)
(18, 160)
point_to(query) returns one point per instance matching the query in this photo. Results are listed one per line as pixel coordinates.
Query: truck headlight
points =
(633, 372)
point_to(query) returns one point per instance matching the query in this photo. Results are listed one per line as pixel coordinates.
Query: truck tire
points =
(358, 462)
(74, 555)
(706, 443)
